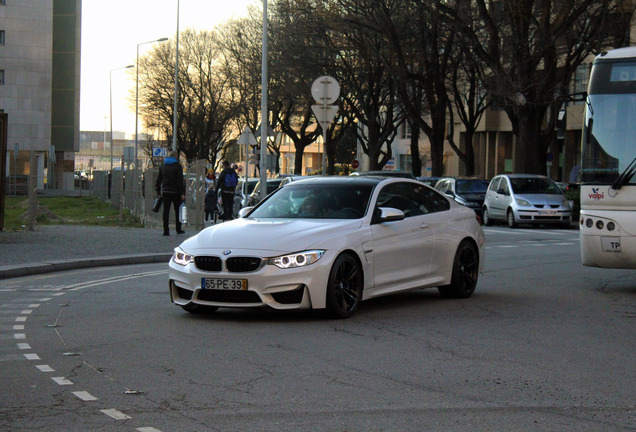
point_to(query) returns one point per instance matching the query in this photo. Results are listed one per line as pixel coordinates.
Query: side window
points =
(412, 199)
(494, 184)
(503, 187)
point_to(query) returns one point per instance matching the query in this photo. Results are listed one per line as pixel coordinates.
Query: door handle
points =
(425, 226)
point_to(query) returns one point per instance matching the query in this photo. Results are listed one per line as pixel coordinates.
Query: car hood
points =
(542, 199)
(267, 235)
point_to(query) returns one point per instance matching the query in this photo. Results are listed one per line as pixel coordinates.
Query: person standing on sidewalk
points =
(170, 186)
(226, 184)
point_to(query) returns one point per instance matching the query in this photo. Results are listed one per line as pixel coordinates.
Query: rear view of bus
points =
(608, 163)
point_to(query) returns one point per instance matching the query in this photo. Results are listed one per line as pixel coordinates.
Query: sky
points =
(111, 31)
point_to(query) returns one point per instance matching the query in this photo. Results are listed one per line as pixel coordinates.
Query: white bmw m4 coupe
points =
(329, 243)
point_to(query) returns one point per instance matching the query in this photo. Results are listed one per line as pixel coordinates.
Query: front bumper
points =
(558, 216)
(269, 286)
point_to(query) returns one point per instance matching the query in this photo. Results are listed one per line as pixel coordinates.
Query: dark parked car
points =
(272, 185)
(466, 191)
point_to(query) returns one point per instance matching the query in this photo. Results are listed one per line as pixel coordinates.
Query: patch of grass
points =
(65, 210)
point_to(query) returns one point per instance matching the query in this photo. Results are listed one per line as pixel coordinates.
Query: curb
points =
(13, 271)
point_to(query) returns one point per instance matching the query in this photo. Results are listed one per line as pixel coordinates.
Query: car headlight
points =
(182, 258)
(523, 203)
(294, 260)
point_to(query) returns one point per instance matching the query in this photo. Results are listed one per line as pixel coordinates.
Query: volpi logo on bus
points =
(596, 195)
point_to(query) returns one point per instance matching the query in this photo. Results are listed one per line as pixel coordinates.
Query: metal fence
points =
(133, 191)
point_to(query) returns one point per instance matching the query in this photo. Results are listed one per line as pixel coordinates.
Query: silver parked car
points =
(525, 199)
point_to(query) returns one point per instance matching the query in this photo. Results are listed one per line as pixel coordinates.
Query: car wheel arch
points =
(336, 305)
(358, 260)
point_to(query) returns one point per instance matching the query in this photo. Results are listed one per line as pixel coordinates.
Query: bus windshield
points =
(609, 137)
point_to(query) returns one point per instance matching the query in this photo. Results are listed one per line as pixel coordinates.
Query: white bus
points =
(608, 163)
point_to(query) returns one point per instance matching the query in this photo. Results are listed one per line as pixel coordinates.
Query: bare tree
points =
(207, 103)
(530, 50)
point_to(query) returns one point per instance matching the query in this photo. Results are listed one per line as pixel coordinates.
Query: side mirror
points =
(389, 214)
(244, 211)
(449, 193)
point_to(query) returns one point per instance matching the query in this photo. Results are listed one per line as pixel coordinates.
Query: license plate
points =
(611, 244)
(224, 284)
(547, 212)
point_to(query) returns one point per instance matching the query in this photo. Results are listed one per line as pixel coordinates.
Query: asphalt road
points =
(543, 345)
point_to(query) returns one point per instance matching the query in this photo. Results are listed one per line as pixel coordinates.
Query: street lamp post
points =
(264, 112)
(111, 112)
(137, 114)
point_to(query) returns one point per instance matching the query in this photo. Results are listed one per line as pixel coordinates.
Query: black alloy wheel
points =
(465, 272)
(344, 288)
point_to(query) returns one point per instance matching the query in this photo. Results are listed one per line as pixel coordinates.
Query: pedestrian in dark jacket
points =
(170, 186)
(226, 184)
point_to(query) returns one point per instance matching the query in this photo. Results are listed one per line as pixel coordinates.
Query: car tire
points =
(465, 272)
(510, 217)
(485, 217)
(199, 309)
(344, 288)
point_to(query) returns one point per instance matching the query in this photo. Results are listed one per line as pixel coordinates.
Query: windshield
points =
(534, 185)
(609, 131)
(612, 139)
(316, 201)
(471, 186)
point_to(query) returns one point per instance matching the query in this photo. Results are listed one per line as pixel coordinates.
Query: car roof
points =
(387, 173)
(522, 176)
(348, 180)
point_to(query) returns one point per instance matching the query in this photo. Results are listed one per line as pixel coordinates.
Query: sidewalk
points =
(65, 247)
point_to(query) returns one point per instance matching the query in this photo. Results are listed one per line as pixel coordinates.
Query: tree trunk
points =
(416, 162)
(530, 152)
(470, 152)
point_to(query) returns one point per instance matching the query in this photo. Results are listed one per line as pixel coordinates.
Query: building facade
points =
(40, 87)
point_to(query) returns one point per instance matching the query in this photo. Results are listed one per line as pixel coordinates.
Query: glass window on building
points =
(405, 130)
(581, 76)
(1, 37)
(1, 76)
(405, 162)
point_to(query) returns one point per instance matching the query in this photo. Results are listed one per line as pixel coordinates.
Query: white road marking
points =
(23, 346)
(147, 429)
(18, 327)
(85, 396)
(114, 279)
(117, 415)
(26, 312)
(19, 336)
(32, 357)
(20, 319)
(45, 368)
(62, 381)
